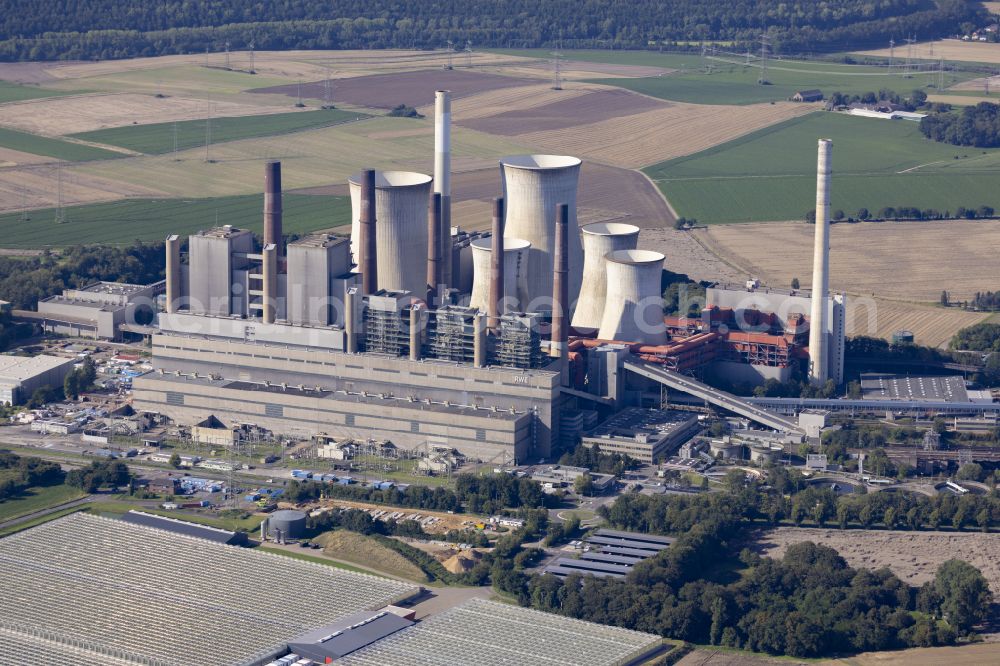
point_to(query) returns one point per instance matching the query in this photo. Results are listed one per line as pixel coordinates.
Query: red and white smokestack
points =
(442, 177)
(272, 205)
(560, 291)
(496, 294)
(369, 262)
(434, 251)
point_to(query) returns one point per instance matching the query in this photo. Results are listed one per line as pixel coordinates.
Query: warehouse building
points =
(644, 434)
(20, 376)
(73, 585)
(609, 554)
(186, 528)
(97, 311)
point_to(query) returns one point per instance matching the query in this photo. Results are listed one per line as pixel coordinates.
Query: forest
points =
(26, 280)
(977, 126)
(108, 29)
(983, 337)
(18, 473)
(809, 603)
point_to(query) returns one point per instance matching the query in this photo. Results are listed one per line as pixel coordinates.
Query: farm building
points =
(812, 95)
(21, 375)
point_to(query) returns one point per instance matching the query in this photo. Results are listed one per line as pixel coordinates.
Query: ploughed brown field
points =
(384, 91)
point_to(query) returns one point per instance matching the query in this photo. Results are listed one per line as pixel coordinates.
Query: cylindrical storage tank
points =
(598, 240)
(401, 201)
(290, 523)
(633, 307)
(514, 252)
(532, 186)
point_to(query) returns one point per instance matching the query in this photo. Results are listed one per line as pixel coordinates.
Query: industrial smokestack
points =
(821, 268)
(351, 320)
(272, 205)
(366, 217)
(598, 240)
(415, 333)
(401, 203)
(479, 341)
(633, 307)
(173, 273)
(269, 271)
(508, 285)
(434, 251)
(442, 177)
(560, 290)
(497, 261)
(532, 186)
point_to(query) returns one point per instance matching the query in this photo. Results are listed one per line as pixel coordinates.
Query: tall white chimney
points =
(818, 360)
(442, 176)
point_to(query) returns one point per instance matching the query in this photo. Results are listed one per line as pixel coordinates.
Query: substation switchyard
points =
(491, 343)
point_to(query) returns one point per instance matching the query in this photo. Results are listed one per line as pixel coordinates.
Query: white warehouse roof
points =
(17, 369)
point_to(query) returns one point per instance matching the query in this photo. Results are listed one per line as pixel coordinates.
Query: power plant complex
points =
(490, 343)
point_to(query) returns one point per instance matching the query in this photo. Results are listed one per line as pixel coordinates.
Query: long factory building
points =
(367, 338)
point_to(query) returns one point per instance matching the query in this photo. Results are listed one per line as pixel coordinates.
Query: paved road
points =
(44, 512)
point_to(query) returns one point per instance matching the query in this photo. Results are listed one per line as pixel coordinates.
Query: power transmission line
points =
(208, 130)
(765, 44)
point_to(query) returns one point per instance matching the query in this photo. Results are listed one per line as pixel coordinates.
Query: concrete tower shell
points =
(818, 371)
(633, 307)
(401, 201)
(532, 186)
(598, 240)
(442, 178)
(515, 250)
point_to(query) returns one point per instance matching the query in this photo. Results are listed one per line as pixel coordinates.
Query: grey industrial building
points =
(20, 376)
(99, 310)
(609, 554)
(644, 434)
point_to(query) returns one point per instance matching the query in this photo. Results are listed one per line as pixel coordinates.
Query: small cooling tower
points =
(598, 240)
(515, 252)
(633, 307)
(532, 186)
(401, 202)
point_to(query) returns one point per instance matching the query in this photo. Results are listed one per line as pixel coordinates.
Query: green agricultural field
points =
(770, 174)
(121, 222)
(36, 499)
(13, 92)
(40, 145)
(159, 138)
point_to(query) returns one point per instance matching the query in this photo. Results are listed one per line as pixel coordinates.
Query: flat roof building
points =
(875, 386)
(20, 376)
(609, 554)
(643, 434)
(98, 310)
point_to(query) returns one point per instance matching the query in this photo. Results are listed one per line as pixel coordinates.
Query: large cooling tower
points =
(598, 240)
(401, 199)
(515, 250)
(633, 307)
(532, 186)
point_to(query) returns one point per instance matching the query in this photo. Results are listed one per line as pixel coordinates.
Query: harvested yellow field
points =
(960, 100)
(309, 159)
(966, 655)
(931, 326)
(494, 102)
(54, 116)
(11, 158)
(977, 85)
(949, 49)
(906, 261)
(38, 187)
(661, 134)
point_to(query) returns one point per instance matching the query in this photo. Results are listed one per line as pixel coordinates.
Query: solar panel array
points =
(92, 582)
(487, 633)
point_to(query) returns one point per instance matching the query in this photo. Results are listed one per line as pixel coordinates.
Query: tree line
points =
(107, 29)
(901, 213)
(18, 473)
(977, 126)
(978, 337)
(476, 494)
(26, 280)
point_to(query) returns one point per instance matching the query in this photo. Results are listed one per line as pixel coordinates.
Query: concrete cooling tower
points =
(598, 240)
(532, 186)
(401, 206)
(515, 252)
(633, 307)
